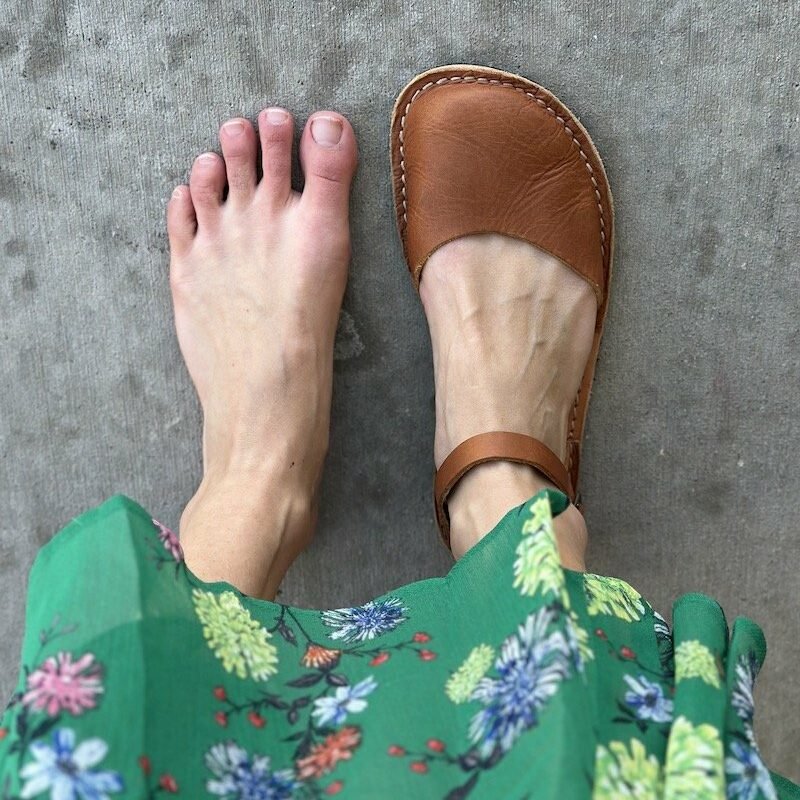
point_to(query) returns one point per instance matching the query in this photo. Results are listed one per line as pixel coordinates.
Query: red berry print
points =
(421, 637)
(335, 787)
(221, 718)
(601, 634)
(219, 693)
(168, 784)
(437, 745)
(144, 765)
(256, 720)
(626, 652)
(396, 750)
(420, 767)
(379, 659)
(427, 655)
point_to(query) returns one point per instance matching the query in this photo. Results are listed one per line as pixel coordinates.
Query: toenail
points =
(326, 130)
(276, 116)
(208, 158)
(234, 128)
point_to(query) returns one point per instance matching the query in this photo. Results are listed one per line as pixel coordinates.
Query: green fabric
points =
(510, 677)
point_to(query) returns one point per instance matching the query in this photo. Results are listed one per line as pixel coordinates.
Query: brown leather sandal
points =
(478, 150)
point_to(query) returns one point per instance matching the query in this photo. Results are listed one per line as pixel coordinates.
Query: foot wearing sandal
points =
(511, 329)
(506, 220)
(257, 282)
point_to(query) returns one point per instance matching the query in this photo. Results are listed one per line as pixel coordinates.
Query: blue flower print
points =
(747, 775)
(661, 627)
(742, 696)
(530, 668)
(65, 770)
(647, 699)
(365, 622)
(239, 776)
(333, 709)
(665, 644)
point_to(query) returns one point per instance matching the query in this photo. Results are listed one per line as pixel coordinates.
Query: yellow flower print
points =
(695, 660)
(235, 638)
(693, 769)
(612, 596)
(462, 682)
(621, 773)
(537, 568)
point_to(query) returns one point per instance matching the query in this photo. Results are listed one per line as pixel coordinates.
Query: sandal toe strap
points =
(495, 446)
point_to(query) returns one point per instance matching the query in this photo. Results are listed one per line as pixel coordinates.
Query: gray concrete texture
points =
(690, 475)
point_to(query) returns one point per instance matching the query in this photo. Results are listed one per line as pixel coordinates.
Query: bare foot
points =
(511, 328)
(257, 282)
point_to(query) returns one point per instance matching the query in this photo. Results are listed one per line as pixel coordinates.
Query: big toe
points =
(329, 156)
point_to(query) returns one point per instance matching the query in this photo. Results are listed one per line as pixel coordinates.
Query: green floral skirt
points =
(510, 677)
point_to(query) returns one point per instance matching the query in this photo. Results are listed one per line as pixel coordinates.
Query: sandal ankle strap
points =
(494, 446)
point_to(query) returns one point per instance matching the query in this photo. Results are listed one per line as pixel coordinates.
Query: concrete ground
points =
(690, 475)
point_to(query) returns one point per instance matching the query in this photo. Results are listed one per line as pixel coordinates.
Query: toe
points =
(329, 156)
(181, 221)
(275, 128)
(206, 183)
(238, 140)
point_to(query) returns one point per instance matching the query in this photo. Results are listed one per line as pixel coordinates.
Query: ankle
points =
(237, 527)
(484, 495)
(489, 491)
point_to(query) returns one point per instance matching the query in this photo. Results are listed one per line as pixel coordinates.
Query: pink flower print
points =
(61, 684)
(170, 541)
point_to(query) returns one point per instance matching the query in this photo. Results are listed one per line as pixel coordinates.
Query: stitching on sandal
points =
(518, 88)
